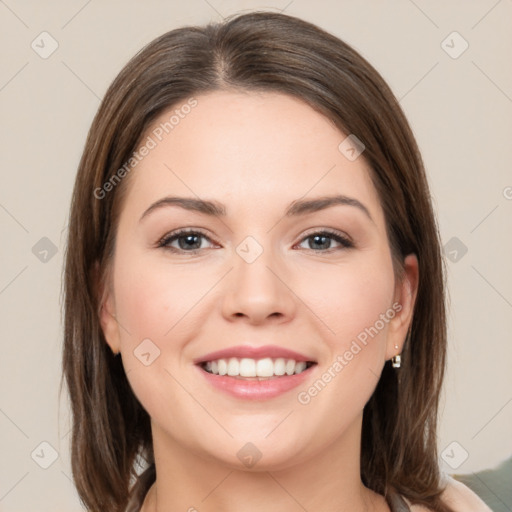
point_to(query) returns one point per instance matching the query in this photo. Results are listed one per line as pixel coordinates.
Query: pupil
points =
(191, 241)
(323, 241)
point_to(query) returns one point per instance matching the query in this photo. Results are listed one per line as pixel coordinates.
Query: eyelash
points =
(336, 236)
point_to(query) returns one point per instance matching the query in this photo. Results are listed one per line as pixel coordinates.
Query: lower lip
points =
(256, 389)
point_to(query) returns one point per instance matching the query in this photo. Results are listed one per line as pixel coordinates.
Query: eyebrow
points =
(296, 208)
(302, 206)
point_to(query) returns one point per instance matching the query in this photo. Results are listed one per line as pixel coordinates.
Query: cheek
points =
(152, 298)
(350, 299)
(158, 305)
(356, 304)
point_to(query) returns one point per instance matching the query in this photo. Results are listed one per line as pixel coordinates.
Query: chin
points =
(260, 455)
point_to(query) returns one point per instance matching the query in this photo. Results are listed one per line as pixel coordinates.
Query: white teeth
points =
(279, 366)
(300, 367)
(222, 367)
(264, 368)
(290, 367)
(233, 367)
(247, 367)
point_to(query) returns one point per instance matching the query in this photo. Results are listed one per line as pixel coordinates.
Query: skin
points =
(255, 153)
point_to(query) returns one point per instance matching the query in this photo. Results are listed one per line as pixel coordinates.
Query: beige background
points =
(460, 110)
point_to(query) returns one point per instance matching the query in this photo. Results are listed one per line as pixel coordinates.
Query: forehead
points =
(247, 150)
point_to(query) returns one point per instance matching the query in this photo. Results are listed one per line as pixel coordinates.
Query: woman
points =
(254, 315)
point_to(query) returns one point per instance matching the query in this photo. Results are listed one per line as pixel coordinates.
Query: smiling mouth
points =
(256, 369)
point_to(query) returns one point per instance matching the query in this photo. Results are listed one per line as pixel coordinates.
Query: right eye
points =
(184, 240)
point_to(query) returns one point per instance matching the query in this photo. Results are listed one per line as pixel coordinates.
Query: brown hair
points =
(253, 52)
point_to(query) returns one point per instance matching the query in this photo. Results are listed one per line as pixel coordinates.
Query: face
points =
(223, 245)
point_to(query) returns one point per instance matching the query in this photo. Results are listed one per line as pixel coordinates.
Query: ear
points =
(405, 297)
(107, 312)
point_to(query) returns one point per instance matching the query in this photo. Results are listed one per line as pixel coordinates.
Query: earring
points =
(396, 361)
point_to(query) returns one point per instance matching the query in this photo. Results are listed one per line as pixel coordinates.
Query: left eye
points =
(323, 241)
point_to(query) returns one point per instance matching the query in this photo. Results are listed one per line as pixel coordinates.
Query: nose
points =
(258, 292)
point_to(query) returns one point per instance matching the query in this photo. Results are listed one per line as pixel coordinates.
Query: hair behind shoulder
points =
(267, 52)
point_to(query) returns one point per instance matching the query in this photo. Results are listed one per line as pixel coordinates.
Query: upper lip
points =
(248, 351)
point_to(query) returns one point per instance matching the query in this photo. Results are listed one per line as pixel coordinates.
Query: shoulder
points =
(459, 497)
(462, 498)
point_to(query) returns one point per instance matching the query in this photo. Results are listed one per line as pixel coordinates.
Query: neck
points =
(329, 482)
